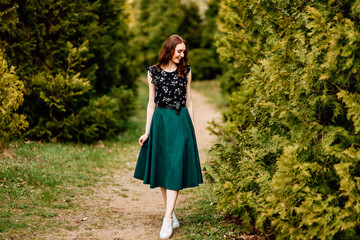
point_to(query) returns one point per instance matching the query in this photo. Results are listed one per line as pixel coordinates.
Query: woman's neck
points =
(171, 66)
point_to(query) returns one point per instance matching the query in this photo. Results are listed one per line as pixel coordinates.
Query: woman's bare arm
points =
(189, 104)
(150, 109)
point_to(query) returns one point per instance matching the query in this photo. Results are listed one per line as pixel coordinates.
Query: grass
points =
(44, 179)
(200, 220)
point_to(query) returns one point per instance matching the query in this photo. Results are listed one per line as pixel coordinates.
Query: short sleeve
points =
(152, 70)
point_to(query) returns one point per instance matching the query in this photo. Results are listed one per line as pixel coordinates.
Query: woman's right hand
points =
(143, 139)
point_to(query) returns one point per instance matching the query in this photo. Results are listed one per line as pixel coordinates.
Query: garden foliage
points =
(288, 162)
(204, 59)
(11, 97)
(205, 64)
(70, 56)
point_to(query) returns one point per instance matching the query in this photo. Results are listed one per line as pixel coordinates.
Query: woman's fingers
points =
(142, 139)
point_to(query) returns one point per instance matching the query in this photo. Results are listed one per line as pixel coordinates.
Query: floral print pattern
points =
(170, 89)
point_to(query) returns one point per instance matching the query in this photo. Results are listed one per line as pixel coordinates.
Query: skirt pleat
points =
(170, 158)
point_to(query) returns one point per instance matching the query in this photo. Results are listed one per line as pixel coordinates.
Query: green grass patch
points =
(8, 223)
(200, 220)
(44, 179)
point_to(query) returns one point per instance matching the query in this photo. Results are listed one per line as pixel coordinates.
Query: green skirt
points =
(170, 158)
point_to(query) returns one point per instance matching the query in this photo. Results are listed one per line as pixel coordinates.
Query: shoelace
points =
(166, 226)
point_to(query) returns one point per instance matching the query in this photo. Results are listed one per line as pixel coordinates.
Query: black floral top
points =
(170, 89)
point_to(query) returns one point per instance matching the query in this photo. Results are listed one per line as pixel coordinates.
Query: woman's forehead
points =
(180, 46)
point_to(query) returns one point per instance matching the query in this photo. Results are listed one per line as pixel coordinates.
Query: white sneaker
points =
(176, 223)
(166, 229)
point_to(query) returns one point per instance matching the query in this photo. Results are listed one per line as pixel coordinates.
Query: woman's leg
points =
(163, 191)
(171, 197)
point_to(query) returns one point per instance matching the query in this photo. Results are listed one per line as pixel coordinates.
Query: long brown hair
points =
(167, 51)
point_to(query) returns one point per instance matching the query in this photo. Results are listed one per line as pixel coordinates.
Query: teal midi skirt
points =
(170, 158)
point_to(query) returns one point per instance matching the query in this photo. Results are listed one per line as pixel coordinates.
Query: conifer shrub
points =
(105, 116)
(204, 59)
(63, 114)
(11, 98)
(204, 64)
(288, 161)
(70, 55)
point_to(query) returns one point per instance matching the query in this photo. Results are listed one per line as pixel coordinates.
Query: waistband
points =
(177, 107)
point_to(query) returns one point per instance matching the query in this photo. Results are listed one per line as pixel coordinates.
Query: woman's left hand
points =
(143, 139)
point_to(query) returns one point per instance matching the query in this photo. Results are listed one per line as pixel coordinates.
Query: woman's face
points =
(178, 53)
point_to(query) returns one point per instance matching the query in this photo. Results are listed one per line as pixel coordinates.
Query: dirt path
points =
(130, 210)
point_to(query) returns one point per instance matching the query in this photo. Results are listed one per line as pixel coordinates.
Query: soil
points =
(128, 209)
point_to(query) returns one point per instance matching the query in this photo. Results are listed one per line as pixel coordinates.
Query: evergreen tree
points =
(210, 26)
(289, 158)
(205, 60)
(76, 48)
(109, 44)
(11, 97)
(11, 88)
(191, 26)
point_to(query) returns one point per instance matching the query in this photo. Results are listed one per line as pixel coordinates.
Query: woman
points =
(169, 156)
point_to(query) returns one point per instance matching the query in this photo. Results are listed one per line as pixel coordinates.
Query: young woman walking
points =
(169, 156)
